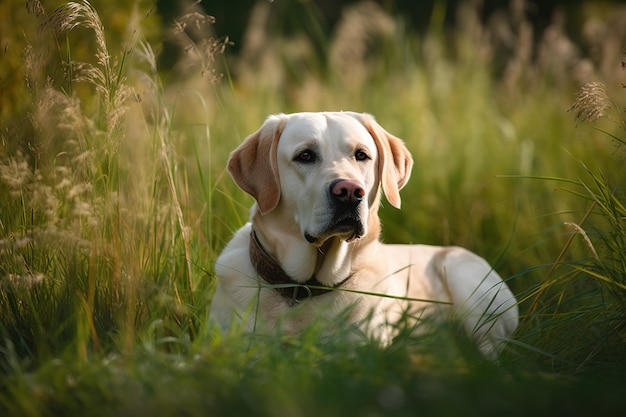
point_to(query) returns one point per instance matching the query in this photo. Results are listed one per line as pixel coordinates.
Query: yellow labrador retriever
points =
(312, 248)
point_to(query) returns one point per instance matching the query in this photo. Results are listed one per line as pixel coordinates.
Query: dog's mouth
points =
(347, 227)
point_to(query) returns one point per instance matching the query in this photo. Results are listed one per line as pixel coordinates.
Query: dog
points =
(312, 246)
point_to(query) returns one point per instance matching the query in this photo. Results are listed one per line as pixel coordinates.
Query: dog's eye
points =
(361, 155)
(306, 157)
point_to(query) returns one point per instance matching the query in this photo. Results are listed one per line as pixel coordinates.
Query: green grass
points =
(114, 204)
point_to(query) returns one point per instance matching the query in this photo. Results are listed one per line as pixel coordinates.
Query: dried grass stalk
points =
(591, 103)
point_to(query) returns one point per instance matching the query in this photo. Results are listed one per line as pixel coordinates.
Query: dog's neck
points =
(330, 264)
(269, 269)
(299, 259)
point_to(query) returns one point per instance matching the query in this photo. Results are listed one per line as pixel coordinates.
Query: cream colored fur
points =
(293, 219)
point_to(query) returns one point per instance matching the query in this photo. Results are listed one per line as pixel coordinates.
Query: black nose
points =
(347, 191)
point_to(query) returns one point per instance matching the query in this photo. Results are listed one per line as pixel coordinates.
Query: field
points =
(115, 202)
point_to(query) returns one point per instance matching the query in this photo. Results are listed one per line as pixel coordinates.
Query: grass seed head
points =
(591, 103)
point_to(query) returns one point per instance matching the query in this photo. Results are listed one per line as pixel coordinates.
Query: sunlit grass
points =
(114, 204)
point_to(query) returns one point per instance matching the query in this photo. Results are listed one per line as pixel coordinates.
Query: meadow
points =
(115, 202)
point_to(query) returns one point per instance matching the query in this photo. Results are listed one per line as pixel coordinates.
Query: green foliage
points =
(114, 204)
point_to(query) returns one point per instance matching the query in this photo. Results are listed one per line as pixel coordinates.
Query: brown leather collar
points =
(273, 274)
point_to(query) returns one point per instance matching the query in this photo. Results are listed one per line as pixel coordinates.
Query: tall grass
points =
(95, 237)
(585, 296)
(114, 203)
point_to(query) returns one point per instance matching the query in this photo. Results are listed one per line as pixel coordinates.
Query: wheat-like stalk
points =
(73, 15)
(592, 102)
(106, 78)
(194, 32)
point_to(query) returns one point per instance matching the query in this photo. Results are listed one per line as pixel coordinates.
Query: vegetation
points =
(114, 204)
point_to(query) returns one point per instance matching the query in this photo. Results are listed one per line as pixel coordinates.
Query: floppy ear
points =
(394, 160)
(253, 164)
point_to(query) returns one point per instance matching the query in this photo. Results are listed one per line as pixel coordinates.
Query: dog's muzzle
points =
(346, 198)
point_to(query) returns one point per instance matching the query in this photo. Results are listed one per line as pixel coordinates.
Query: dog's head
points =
(323, 171)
